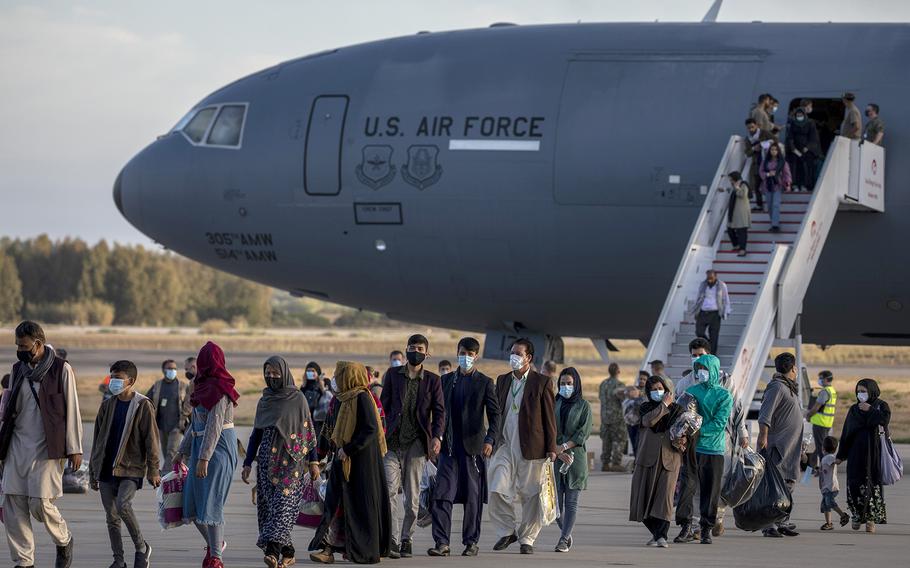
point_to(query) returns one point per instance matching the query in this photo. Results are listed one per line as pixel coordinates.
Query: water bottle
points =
(564, 468)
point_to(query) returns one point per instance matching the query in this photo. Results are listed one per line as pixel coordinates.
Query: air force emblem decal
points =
(376, 169)
(422, 169)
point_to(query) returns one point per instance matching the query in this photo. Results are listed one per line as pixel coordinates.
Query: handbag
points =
(170, 498)
(891, 466)
(311, 503)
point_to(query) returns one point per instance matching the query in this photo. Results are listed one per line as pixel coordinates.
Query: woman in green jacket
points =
(573, 426)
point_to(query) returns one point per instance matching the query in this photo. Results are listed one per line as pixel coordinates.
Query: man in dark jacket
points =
(415, 420)
(526, 438)
(472, 421)
(803, 149)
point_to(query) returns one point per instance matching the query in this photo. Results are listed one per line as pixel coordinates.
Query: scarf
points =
(213, 380)
(352, 380)
(789, 384)
(673, 411)
(284, 407)
(37, 374)
(568, 403)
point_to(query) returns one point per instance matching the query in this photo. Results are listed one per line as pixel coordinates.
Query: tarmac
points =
(603, 536)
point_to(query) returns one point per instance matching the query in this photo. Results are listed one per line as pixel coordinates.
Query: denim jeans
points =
(774, 199)
(568, 506)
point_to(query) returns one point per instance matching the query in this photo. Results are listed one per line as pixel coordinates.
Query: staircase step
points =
(730, 277)
(725, 350)
(727, 329)
(684, 361)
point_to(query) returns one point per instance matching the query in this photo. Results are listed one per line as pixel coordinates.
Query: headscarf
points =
(567, 403)
(284, 407)
(352, 380)
(673, 411)
(212, 378)
(871, 387)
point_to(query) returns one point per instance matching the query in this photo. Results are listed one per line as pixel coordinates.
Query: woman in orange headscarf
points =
(357, 518)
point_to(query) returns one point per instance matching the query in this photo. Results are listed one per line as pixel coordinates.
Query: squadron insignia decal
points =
(422, 169)
(376, 169)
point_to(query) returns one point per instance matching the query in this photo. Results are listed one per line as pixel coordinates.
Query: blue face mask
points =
(311, 375)
(702, 375)
(170, 374)
(657, 395)
(466, 362)
(116, 386)
(566, 391)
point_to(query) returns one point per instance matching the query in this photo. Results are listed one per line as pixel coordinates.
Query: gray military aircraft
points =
(533, 180)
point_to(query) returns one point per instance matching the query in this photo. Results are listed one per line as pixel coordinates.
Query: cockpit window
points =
(227, 127)
(196, 128)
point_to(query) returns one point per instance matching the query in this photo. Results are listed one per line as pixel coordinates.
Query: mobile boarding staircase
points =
(768, 285)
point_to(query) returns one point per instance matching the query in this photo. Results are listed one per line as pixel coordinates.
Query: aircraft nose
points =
(126, 193)
(118, 193)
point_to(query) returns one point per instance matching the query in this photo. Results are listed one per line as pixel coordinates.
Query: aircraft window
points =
(196, 128)
(228, 126)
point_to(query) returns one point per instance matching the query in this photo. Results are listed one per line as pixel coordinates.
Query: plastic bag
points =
(170, 498)
(746, 472)
(631, 412)
(427, 485)
(770, 504)
(311, 502)
(75, 481)
(549, 507)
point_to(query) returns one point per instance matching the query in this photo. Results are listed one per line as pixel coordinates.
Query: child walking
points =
(124, 450)
(827, 482)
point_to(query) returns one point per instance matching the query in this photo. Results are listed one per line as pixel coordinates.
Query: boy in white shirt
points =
(827, 483)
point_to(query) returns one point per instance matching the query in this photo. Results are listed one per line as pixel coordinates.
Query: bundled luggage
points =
(312, 502)
(75, 481)
(687, 424)
(427, 485)
(770, 503)
(746, 472)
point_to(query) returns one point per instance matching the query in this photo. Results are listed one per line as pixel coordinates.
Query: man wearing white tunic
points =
(41, 428)
(527, 437)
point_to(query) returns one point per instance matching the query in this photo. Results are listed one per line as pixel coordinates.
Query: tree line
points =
(68, 281)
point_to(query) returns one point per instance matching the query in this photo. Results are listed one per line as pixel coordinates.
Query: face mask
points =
(333, 385)
(702, 375)
(800, 119)
(466, 362)
(24, 356)
(311, 375)
(517, 362)
(566, 391)
(415, 357)
(274, 383)
(116, 386)
(397, 363)
(190, 375)
(821, 382)
(170, 374)
(869, 114)
(774, 109)
(657, 395)
(862, 396)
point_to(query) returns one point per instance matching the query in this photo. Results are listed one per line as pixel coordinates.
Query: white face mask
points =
(860, 396)
(517, 362)
(466, 362)
(333, 385)
(566, 391)
(397, 362)
(311, 375)
(657, 395)
(702, 375)
(170, 374)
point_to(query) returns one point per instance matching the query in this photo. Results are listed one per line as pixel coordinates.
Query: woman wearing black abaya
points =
(357, 518)
(860, 447)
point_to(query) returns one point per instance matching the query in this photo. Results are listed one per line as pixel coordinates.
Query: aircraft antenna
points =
(713, 11)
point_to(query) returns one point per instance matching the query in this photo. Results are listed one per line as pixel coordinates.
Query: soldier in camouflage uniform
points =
(613, 434)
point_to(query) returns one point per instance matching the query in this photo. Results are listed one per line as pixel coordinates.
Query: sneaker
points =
(662, 543)
(787, 531)
(208, 556)
(406, 549)
(562, 545)
(439, 550)
(324, 556)
(216, 563)
(65, 554)
(527, 549)
(772, 533)
(718, 529)
(827, 527)
(844, 519)
(114, 565)
(394, 551)
(856, 526)
(470, 550)
(505, 541)
(142, 558)
(652, 542)
(685, 534)
(706, 537)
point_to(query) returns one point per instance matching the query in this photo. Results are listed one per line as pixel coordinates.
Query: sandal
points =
(844, 519)
(827, 527)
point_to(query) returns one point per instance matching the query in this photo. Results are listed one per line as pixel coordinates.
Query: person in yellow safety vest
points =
(821, 414)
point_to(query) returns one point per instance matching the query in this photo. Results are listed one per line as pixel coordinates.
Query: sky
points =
(86, 85)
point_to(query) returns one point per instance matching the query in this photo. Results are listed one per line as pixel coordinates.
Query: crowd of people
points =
(788, 157)
(492, 442)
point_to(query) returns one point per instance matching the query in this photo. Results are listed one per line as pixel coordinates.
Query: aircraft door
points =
(322, 153)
